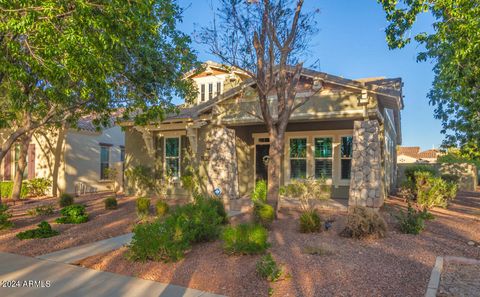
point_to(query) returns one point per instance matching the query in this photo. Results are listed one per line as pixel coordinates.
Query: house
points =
(412, 154)
(347, 132)
(75, 159)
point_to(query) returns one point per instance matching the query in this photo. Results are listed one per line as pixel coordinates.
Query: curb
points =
(434, 282)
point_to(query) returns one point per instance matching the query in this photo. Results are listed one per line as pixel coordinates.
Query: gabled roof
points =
(429, 154)
(411, 151)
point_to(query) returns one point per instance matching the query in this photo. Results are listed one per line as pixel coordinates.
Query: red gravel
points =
(398, 265)
(102, 224)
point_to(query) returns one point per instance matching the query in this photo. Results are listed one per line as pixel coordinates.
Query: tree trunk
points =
(274, 170)
(22, 164)
(57, 160)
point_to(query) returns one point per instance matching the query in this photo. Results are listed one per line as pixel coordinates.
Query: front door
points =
(261, 161)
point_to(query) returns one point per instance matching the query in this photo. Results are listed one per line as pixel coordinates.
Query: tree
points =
(453, 48)
(264, 39)
(62, 60)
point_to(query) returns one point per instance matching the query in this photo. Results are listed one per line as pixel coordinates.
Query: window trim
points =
(107, 147)
(219, 88)
(296, 158)
(331, 158)
(202, 92)
(179, 155)
(345, 158)
(210, 91)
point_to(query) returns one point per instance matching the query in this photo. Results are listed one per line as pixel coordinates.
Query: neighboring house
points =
(412, 154)
(346, 133)
(74, 159)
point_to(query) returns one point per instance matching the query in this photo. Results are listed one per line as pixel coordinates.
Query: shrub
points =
(263, 213)
(259, 193)
(219, 207)
(451, 178)
(168, 240)
(44, 230)
(363, 222)
(431, 191)
(38, 186)
(6, 188)
(310, 222)
(268, 269)
(110, 203)
(245, 239)
(73, 214)
(452, 189)
(162, 208)
(41, 210)
(143, 206)
(4, 217)
(411, 222)
(65, 200)
(307, 191)
(410, 171)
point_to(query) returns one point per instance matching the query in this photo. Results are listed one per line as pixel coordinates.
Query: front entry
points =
(261, 161)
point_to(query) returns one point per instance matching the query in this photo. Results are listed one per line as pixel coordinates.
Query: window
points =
(172, 156)
(346, 156)
(323, 157)
(298, 158)
(122, 154)
(104, 161)
(219, 88)
(210, 91)
(202, 92)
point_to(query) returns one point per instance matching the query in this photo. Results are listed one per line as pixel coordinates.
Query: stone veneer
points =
(366, 186)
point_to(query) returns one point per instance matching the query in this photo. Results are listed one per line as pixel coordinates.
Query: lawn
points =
(322, 264)
(102, 224)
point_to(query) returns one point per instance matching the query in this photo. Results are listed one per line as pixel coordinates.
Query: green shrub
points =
(310, 222)
(38, 187)
(4, 217)
(143, 206)
(42, 210)
(219, 207)
(110, 203)
(259, 193)
(168, 240)
(412, 222)
(411, 170)
(162, 208)
(268, 269)
(73, 214)
(452, 189)
(451, 178)
(65, 200)
(363, 222)
(431, 191)
(6, 188)
(245, 239)
(44, 230)
(263, 213)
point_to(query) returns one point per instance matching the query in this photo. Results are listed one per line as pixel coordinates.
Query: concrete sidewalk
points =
(72, 281)
(77, 253)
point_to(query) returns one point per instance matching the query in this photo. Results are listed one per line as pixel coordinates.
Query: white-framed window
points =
(172, 156)
(219, 88)
(202, 92)
(346, 150)
(323, 157)
(210, 91)
(104, 161)
(298, 158)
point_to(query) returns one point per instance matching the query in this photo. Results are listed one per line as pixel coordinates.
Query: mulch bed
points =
(102, 224)
(398, 265)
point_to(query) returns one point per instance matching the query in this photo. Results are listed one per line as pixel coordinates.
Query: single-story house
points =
(347, 132)
(412, 154)
(76, 158)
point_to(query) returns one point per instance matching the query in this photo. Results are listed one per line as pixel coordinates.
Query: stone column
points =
(366, 185)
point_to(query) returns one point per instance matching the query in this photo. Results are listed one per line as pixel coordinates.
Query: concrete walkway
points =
(72, 281)
(77, 253)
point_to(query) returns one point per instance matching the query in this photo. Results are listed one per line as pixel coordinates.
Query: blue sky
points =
(351, 43)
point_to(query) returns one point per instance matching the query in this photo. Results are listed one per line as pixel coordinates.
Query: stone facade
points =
(366, 186)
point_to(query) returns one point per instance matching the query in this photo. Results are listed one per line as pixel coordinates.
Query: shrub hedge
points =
(162, 208)
(245, 239)
(310, 222)
(6, 188)
(263, 213)
(4, 217)
(259, 193)
(143, 206)
(44, 230)
(73, 214)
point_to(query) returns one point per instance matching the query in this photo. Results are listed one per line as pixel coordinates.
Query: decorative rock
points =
(471, 243)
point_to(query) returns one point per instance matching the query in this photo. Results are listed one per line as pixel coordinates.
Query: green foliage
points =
(44, 230)
(219, 207)
(110, 203)
(6, 188)
(451, 178)
(41, 210)
(150, 179)
(310, 222)
(413, 221)
(38, 187)
(268, 269)
(259, 193)
(190, 177)
(412, 170)
(168, 240)
(245, 239)
(143, 206)
(363, 222)
(4, 217)
(433, 191)
(307, 190)
(162, 208)
(453, 47)
(466, 154)
(263, 213)
(73, 214)
(65, 200)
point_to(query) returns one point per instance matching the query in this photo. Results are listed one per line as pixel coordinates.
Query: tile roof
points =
(414, 152)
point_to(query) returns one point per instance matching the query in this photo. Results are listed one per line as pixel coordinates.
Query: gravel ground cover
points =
(323, 264)
(460, 278)
(102, 224)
